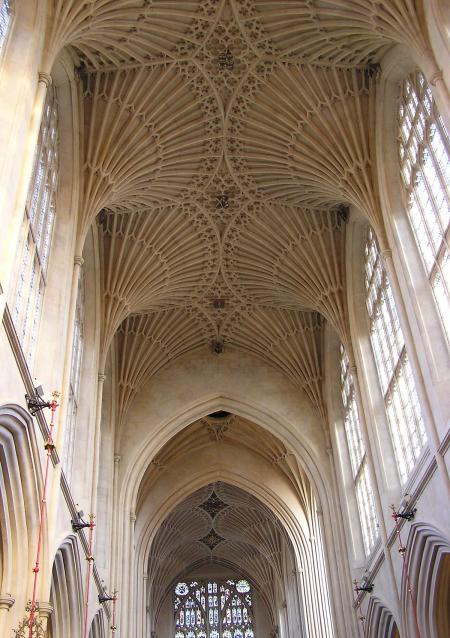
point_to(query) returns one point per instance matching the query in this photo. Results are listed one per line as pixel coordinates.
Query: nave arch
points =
(20, 488)
(194, 387)
(275, 416)
(97, 629)
(200, 384)
(428, 567)
(380, 622)
(66, 593)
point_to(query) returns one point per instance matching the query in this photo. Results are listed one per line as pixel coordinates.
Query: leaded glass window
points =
(424, 154)
(221, 609)
(394, 370)
(5, 21)
(37, 232)
(358, 458)
(74, 377)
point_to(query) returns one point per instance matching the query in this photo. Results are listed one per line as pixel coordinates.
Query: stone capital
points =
(45, 78)
(438, 76)
(45, 610)
(6, 601)
(78, 260)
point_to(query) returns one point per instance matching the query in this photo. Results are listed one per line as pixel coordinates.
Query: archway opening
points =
(442, 604)
(243, 510)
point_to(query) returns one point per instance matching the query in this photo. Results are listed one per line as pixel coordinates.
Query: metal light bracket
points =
(36, 402)
(78, 523)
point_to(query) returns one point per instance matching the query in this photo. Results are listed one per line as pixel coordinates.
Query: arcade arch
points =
(267, 502)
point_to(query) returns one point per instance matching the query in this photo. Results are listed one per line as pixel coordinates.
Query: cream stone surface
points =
(220, 162)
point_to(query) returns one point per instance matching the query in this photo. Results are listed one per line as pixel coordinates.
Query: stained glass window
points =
(5, 21)
(221, 609)
(358, 459)
(394, 370)
(424, 155)
(37, 231)
(74, 377)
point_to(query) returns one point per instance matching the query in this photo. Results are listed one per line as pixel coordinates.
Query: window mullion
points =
(397, 384)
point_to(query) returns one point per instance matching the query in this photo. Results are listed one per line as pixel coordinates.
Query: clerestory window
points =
(394, 370)
(5, 21)
(358, 458)
(37, 232)
(75, 376)
(424, 155)
(214, 609)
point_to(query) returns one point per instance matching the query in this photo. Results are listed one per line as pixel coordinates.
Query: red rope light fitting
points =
(90, 560)
(49, 447)
(113, 620)
(402, 551)
(361, 617)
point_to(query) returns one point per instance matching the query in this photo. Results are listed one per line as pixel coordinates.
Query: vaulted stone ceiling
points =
(223, 141)
(218, 430)
(222, 525)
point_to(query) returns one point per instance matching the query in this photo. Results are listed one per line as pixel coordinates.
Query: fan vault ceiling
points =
(223, 141)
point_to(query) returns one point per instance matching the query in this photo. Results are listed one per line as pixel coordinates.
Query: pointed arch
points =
(97, 629)
(380, 620)
(428, 565)
(66, 594)
(20, 483)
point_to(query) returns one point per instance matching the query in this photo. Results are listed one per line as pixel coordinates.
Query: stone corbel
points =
(437, 76)
(6, 602)
(45, 611)
(45, 78)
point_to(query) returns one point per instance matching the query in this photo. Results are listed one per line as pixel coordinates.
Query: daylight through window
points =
(75, 376)
(424, 151)
(394, 370)
(5, 21)
(37, 231)
(360, 470)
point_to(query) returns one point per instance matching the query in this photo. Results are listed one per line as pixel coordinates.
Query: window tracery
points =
(75, 374)
(5, 21)
(394, 370)
(358, 458)
(221, 609)
(424, 155)
(37, 231)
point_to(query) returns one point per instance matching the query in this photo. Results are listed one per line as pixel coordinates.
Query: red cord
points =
(49, 446)
(113, 626)
(358, 605)
(90, 560)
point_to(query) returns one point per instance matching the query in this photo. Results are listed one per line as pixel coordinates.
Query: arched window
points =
(74, 377)
(424, 154)
(394, 370)
(5, 21)
(37, 231)
(358, 459)
(212, 609)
